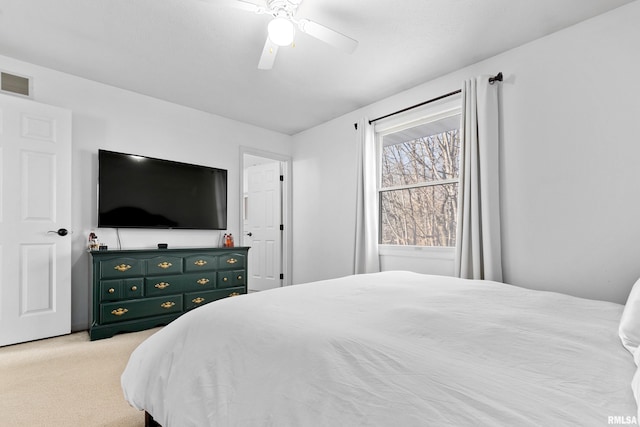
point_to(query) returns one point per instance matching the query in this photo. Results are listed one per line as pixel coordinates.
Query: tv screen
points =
(143, 192)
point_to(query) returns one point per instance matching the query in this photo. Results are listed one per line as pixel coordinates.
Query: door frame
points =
(287, 205)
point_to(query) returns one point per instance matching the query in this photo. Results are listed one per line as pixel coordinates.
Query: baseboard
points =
(79, 327)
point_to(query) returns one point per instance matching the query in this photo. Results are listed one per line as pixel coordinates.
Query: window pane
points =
(423, 216)
(422, 159)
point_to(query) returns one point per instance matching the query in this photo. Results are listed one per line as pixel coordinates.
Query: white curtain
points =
(366, 245)
(478, 249)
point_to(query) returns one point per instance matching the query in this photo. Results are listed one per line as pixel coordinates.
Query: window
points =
(419, 176)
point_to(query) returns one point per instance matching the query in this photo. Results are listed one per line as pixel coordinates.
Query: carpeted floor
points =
(67, 381)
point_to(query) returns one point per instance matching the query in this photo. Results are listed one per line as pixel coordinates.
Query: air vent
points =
(12, 83)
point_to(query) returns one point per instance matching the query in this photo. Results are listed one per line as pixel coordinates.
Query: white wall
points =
(570, 149)
(119, 120)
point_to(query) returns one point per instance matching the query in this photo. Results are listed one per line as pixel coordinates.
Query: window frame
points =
(432, 113)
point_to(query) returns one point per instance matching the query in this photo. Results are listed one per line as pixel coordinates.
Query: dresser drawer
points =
(110, 290)
(132, 288)
(121, 267)
(115, 289)
(136, 309)
(164, 285)
(231, 278)
(232, 260)
(200, 263)
(164, 265)
(200, 281)
(196, 299)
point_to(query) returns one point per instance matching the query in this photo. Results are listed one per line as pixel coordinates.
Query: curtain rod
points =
(438, 98)
(492, 80)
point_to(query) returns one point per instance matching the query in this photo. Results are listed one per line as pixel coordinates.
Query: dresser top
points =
(168, 250)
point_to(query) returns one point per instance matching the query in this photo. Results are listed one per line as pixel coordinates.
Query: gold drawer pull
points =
(232, 261)
(239, 277)
(235, 294)
(197, 300)
(167, 304)
(162, 285)
(165, 264)
(119, 311)
(111, 290)
(122, 267)
(224, 279)
(203, 281)
(200, 262)
(134, 288)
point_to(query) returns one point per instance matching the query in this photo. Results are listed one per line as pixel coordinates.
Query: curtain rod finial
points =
(496, 78)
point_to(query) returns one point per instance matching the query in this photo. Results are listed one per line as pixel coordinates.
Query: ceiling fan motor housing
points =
(288, 7)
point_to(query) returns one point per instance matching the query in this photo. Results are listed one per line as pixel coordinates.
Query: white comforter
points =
(387, 349)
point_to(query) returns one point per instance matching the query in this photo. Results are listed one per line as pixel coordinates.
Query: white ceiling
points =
(204, 54)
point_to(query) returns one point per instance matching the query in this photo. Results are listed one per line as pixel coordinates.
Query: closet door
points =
(35, 216)
(264, 216)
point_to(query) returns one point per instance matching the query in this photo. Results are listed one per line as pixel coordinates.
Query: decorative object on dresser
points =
(139, 289)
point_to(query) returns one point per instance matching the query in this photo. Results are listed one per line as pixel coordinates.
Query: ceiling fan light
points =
(281, 31)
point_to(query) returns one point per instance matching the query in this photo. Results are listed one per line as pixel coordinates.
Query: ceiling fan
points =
(281, 29)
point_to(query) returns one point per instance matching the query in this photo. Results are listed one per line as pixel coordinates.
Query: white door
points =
(264, 217)
(35, 202)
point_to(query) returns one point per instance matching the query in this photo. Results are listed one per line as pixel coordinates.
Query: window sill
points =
(443, 253)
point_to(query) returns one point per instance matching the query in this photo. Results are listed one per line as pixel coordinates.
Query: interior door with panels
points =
(264, 217)
(35, 214)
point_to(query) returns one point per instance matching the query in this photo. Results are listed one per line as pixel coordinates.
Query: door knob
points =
(60, 232)
(249, 234)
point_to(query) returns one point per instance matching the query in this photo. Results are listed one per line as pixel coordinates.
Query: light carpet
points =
(68, 381)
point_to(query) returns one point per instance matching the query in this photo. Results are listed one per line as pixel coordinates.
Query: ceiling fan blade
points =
(239, 4)
(268, 55)
(248, 6)
(327, 35)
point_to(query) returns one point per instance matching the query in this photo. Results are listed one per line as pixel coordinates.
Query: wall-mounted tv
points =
(143, 192)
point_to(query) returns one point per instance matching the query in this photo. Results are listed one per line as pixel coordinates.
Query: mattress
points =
(387, 349)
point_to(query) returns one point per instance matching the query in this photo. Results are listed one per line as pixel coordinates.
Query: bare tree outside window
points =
(419, 187)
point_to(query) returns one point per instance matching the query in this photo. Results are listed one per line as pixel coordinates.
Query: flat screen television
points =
(144, 192)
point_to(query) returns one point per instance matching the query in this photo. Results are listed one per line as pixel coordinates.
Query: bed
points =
(391, 349)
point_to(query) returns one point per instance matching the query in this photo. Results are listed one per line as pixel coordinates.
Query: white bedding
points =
(387, 349)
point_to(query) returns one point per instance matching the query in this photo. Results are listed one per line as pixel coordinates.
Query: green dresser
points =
(139, 289)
